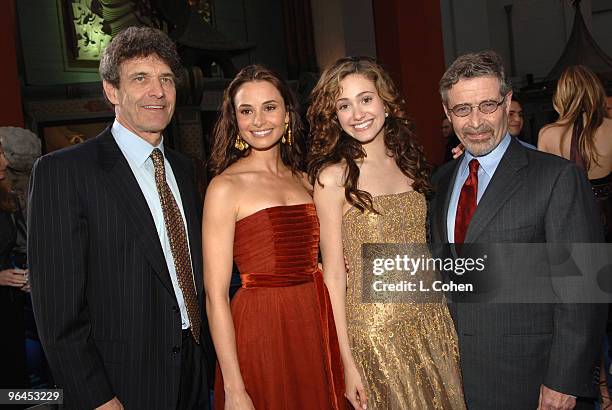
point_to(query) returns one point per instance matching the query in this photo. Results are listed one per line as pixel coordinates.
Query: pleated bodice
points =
(277, 246)
(285, 334)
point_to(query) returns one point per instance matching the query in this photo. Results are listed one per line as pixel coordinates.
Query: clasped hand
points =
(15, 277)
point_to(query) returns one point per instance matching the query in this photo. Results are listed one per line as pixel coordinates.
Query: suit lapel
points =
(445, 189)
(194, 229)
(502, 186)
(123, 186)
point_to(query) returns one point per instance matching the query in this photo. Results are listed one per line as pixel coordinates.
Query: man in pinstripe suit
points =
(513, 356)
(120, 317)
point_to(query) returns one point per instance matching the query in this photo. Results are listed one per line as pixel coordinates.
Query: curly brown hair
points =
(224, 153)
(331, 145)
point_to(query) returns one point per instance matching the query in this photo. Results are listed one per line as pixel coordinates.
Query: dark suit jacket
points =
(104, 303)
(509, 350)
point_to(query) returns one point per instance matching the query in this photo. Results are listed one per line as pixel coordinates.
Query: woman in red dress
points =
(276, 342)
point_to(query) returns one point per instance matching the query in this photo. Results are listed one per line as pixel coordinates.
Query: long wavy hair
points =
(331, 145)
(224, 153)
(580, 101)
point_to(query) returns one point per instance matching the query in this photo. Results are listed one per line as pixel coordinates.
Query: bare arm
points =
(329, 201)
(219, 219)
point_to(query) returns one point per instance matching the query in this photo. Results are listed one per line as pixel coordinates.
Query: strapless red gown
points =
(285, 334)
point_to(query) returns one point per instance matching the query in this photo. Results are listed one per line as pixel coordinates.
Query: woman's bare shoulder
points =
(549, 137)
(603, 136)
(333, 175)
(551, 130)
(224, 187)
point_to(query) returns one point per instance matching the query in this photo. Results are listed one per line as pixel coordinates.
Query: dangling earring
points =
(287, 140)
(386, 114)
(240, 144)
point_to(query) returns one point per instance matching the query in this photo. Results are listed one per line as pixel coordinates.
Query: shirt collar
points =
(488, 162)
(135, 148)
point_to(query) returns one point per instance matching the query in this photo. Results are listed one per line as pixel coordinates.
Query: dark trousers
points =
(193, 393)
(583, 403)
(13, 374)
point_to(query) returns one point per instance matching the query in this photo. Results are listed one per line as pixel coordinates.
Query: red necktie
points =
(467, 202)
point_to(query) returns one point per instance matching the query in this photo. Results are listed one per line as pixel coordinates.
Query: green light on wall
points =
(90, 37)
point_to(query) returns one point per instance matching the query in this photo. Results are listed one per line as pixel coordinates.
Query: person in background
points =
(516, 121)
(515, 118)
(609, 105)
(447, 128)
(583, 133)
(13, 285)
(452, 142)
(22, 148)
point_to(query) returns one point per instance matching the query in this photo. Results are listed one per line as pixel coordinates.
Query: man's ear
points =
(508, 101)
(111, 92)
(447, 113)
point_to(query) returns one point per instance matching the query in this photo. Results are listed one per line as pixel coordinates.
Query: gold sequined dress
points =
(406, 352)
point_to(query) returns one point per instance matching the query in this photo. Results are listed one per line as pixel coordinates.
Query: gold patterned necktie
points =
(178, 243)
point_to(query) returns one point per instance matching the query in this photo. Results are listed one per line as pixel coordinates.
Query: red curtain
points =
(299, 37)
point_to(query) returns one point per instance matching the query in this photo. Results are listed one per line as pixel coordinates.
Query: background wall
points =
(259, 22)
(11, 113)
(406, 36)
(540, 27)
(44, 49)
(343, 28)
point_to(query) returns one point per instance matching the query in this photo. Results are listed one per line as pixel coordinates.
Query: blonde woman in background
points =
(583, 133)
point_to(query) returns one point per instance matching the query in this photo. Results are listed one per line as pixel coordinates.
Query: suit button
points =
(175, 309)
(176, 349)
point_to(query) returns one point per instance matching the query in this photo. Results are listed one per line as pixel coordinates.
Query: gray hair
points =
(473, 65)
(21, 147)
(137, 42)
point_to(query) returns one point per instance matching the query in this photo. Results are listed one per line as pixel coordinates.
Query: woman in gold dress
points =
(370, 177)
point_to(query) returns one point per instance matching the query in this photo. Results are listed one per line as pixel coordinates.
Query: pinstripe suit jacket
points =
(105, 307)
(509, 350)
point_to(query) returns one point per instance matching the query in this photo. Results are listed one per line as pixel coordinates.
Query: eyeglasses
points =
(485, 107)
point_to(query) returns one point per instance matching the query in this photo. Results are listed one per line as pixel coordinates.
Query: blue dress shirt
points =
(137, 152)
(488, 165)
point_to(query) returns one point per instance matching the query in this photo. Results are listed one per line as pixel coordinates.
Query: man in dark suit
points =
(513, 356)
(115, 248)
